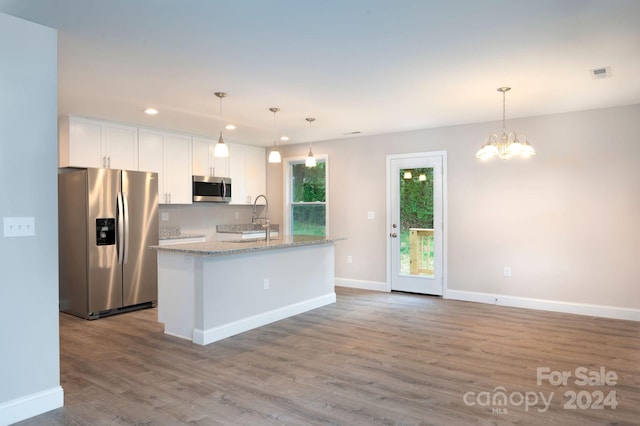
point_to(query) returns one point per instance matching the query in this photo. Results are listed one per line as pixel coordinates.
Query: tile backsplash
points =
(202, 218)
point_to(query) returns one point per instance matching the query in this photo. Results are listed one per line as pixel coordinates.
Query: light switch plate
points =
(19, 226)
(371, 215)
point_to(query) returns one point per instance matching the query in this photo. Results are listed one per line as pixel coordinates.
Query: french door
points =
(415, 203)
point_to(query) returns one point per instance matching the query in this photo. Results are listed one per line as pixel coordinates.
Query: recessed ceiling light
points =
(284, 138)
(230, 127)
(151, 111)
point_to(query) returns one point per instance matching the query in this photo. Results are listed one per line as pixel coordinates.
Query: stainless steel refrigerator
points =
(107, 219)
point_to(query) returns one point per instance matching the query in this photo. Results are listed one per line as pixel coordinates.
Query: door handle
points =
(393, 235)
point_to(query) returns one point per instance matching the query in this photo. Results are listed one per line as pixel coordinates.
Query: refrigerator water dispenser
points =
(105, 231)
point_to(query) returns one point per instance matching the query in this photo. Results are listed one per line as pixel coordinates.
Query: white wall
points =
(29, 354)
(565, 221)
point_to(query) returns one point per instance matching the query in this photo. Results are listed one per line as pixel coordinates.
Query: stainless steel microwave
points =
(212, 189)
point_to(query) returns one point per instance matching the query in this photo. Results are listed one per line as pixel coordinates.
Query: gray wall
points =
(29, 358)
(566, 221)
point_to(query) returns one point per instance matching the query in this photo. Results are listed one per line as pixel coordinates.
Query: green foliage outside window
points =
(308, 208)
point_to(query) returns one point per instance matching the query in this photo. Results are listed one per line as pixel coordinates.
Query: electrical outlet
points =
(164, 216)
(266, 283)
(236, 215)
(371, 215)
(507, 271)
(349, 259)
(19, 226)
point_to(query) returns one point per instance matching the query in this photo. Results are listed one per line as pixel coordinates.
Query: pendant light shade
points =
(508, 144)
(221, 149)
(274, 155)
(311, 160)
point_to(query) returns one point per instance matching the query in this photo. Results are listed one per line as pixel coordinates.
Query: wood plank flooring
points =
(370, 359)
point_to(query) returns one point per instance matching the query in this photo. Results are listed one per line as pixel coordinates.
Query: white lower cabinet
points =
(169, 155)
(248, 170)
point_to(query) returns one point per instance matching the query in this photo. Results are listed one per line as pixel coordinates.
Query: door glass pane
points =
(308, 199)
(416, 222)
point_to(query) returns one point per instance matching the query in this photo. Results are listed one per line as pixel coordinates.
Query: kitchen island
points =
(208, 291)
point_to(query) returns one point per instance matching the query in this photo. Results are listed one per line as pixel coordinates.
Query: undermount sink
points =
(245, 232)
(253, 240)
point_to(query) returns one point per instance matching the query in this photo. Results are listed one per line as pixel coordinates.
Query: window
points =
(306, 197)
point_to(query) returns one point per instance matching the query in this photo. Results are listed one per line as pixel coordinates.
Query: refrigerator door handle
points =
(120, 225)
(125, 204)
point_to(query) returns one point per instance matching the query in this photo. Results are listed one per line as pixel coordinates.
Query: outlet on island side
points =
(266, 284)
(349, 259)
(507, 271)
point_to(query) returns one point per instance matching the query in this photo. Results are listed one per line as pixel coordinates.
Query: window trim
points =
(286, 178)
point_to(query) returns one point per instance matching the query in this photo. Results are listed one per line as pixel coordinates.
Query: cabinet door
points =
(121, 146)
(237, 172)
(220, 165)
(85, 142)
(151, 158)
(177, 168)
(205, 163)
(201, 151)
(255, 172)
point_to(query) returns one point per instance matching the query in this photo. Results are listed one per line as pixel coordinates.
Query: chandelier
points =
(506, 145)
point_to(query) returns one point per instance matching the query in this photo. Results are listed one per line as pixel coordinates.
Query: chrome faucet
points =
(266, 225)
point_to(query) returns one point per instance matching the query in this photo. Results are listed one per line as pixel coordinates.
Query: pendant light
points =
(221, 149)
(506, 145)
(310, 161)
(274, 155)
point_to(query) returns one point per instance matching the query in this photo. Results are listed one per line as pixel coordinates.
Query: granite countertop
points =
(174, 233)
(223, 248)
(181, 236)
(245, 228)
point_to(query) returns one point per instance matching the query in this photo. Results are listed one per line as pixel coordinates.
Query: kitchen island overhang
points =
(209, 291)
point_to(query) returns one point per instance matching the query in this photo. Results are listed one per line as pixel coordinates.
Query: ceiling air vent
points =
(598, 73)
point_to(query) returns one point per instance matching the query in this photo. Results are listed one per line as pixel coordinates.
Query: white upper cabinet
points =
(169, 155)
(93, 143)
(248, 172)
(204, 162)
(256, 173)
(86, 142)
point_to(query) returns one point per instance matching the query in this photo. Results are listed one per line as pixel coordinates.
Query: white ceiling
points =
(373, 66)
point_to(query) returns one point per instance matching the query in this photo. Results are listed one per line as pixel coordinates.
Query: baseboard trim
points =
(31, 405)
(361, 284)
(204, 337)
(546, 305)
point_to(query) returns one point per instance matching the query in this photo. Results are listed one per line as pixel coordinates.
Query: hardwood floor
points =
(372, 358)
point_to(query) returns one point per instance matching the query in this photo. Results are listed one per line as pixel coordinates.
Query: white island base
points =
(206, 297)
